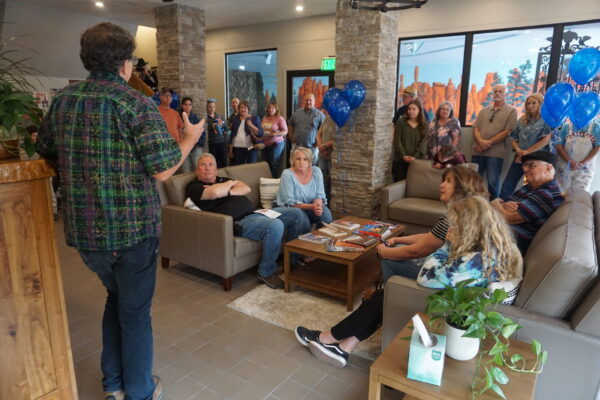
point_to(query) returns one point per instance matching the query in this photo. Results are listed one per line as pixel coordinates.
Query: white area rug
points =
(301, 307)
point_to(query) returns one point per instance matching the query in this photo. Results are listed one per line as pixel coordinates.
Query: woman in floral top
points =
(444, 129)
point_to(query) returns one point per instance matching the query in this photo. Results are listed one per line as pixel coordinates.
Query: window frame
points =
(553, 66)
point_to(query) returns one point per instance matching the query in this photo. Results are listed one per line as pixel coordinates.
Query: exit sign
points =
(328, 64)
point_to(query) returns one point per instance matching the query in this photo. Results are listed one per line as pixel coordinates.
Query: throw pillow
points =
(268, 191)
(510, 286)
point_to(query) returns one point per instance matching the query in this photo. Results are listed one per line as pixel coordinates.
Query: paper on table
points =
(421, 330)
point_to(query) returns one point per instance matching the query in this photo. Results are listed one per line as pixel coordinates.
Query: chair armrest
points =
(391, 193)
(198, 238)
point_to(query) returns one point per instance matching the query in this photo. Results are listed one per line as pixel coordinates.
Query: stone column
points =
(366, 46)
(180, 42)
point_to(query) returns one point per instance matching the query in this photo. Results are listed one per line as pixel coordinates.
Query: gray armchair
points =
(205, 240)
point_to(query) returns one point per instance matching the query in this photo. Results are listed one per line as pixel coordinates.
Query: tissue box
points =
(426, 364)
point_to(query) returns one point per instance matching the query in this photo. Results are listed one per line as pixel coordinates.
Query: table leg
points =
(286, 269)
(350, 288)
(374, 387)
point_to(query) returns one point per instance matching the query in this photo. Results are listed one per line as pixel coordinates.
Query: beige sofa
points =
(205, 240)
(415, 201)
(558, 304)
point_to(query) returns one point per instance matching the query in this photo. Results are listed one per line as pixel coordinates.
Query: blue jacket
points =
(235, 125)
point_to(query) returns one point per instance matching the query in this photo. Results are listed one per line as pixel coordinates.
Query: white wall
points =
(301, 43)
(439, 16)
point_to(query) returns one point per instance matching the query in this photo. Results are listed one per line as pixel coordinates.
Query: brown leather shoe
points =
(158, 388)
(272, 281)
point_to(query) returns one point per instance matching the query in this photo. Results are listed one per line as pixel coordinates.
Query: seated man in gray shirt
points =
(304, 124)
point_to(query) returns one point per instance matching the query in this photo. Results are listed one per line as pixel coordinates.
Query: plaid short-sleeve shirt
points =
(109, 140)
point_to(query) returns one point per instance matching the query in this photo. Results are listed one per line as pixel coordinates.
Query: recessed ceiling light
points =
(99, 4)
(300, 8)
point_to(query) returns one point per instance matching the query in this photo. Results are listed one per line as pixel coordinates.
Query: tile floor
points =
(202, 348)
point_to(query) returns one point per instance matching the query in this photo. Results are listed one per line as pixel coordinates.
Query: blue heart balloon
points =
(174, 101)
(584, 109)
(552, 121)
(331, 94)
(354, 92)
(339, 110)
(584, 65)
(558, 99)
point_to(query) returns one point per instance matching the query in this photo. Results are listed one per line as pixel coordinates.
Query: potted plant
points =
(472, 310)
(17, 105)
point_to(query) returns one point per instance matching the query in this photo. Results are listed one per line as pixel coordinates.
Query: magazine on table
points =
(375, 230)
(314, 238)
(343, 225)
(339, 245)
(333, 232)
(363, 241)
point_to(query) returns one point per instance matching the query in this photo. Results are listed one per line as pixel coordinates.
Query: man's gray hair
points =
(204, 155)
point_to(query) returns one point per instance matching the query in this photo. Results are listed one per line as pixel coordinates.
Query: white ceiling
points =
(218, 13)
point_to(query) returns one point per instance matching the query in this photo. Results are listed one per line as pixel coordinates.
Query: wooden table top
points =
(299, 244)
(392, 364)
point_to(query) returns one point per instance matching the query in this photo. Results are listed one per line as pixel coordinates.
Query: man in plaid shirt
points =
(111, 145)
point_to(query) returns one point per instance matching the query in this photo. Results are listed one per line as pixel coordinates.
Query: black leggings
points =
(363, 322)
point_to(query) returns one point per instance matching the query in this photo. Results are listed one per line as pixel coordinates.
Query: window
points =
(434, 67)
(577, 37)
(510, 58)
(252, 76)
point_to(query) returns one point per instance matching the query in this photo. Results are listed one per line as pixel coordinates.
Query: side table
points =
(391, 367)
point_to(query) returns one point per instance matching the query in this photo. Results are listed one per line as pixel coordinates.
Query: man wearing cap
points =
(408, 94)
(142, 68)
(492, 126)
(531, 206)
(303, 126)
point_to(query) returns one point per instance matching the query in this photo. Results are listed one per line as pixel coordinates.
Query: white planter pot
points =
(458, 347)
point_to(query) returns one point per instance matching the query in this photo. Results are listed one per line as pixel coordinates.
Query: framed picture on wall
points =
(303, 82)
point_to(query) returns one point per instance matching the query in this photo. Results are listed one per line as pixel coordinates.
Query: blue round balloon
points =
(174, 101)
(339, 110)
(354, 92)
(550, 119)
(331, 94)
(584, 65)
(558, 99)
(585, 107)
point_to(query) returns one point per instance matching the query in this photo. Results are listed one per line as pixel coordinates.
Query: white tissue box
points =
(426, 364)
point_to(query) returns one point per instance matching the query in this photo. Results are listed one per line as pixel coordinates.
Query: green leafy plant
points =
(473, 310)
(17, 105)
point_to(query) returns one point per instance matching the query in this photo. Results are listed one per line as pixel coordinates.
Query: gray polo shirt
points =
(306, 124)
(503, 118)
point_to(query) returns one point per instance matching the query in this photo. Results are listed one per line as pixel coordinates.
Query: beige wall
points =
(145, 39)
(301, 43)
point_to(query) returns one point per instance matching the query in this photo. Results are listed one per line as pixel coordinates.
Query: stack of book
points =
(314, 238)
(378, 230)
(334, 232)
(360, 240)
(343, 225)
(340, 245)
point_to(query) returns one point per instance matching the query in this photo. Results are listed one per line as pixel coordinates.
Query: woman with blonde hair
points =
(302, 186)
(531, 134)
(479, 246)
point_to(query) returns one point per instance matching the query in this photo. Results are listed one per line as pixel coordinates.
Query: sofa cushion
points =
(423, 181)
(243, 246)
(250, 174)
(416, 211)
(560, 265)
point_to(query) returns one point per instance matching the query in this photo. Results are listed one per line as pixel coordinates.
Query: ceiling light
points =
(242, 67)
(299, 8)
(99, 4)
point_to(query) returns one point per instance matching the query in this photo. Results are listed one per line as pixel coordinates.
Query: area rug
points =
(301, 307)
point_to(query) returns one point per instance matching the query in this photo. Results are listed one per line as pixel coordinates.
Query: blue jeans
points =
(490, 169)
(270, 230)
(272, 155)
(242, 155)
(129, 277)
(406, 268)
(311, 218)
(513, 176)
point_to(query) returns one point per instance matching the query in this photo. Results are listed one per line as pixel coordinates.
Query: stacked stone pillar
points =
(180, 42)
(366, 47)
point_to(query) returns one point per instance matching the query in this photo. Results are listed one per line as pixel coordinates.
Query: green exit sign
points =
(328, 64)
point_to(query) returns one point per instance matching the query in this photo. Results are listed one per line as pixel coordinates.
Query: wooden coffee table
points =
(338, 274)
(391, 367)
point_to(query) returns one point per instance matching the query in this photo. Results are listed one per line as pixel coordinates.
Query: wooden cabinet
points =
(35, 350)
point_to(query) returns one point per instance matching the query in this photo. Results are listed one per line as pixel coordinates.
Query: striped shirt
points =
(535, 206)
(109, 140)
(440, 229)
